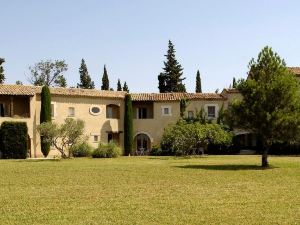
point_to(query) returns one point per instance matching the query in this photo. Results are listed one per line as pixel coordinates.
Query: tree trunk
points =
(264, 158)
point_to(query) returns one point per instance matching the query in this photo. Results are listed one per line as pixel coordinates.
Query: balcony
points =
(142, 110)
(17, 107)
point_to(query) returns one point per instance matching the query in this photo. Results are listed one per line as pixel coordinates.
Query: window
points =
(166, 110)
(71, 111)
(52, 110)
(95, 110)
(109, 112)
(96, 138)
(109, 137)
(190, 114)
(211, 111)
(142, 113)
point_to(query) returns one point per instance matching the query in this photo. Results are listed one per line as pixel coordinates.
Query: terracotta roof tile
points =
(174, 96)
(32, 90)
(295, 70)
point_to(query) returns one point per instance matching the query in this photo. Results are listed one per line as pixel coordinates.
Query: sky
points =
(131, 37)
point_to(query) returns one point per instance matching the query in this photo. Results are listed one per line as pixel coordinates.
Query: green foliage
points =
(156, 150)
(270, 107)
(119, 86)
(125, 87)
(48, 73)
(105, 80)
(182, 138)
(81, 149)
(45, 116)
(128, 126)
(183, 104)
(234, 83)
(2, 76)
(85, 79)
(170, 80)
(18, 82)
(198, 83)
(63, 136)
(110, 150)
(14, 136)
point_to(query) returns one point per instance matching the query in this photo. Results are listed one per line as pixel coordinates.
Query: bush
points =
(156, 150)
(82, 149)
(110, 150)
(14, 140)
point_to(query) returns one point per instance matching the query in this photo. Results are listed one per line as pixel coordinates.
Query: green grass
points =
(151, 190)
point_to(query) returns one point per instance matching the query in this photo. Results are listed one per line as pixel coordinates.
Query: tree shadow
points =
(225, 167)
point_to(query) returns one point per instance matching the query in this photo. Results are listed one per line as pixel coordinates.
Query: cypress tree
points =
(2, 76)
(105, 80)
(125, 87)
(128, 126)
(45, 115)
(198, 83)
(119, 86)
(170, 80)
(234, 84)
(85, 79)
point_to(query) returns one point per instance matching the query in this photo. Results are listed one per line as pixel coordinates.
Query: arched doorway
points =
(142, 144)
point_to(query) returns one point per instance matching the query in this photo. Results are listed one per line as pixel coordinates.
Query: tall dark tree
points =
(2, 76)
(48, 73)
(125, 87)
(270, 107)
(128, 126)
(198, 83)
(105, 80)
(170, 80)
(45, 116)
(234, 84)
(85, 79)
(119, 86)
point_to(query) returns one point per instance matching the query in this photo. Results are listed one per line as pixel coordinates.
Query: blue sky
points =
(217, 37)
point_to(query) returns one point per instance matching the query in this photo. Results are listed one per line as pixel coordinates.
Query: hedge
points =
(14, 140)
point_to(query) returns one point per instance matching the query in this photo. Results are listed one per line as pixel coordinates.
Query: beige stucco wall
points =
(94, 124)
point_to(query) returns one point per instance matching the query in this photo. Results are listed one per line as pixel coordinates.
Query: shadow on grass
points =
(225, 167)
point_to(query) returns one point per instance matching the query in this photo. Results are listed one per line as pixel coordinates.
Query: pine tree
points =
(170, 80)
(125, 87)
(45, 115)
(105, 80)
(198, 83)
(2, 76)
(234, 84)
(119, 86)
(85, 79)
(128, 126)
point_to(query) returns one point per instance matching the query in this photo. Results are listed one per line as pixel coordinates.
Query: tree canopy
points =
(119, 86)
(105, 80)
(49, 73)
(170, 80)
(198, 83)
(125, 87)
(270, 107)
(2, 76)
(85, 79)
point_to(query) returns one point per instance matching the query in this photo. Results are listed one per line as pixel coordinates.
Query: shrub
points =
(45, 116)
(110, 150)
(128, 126)
(156, 150)
(82, 149)
(14, 140)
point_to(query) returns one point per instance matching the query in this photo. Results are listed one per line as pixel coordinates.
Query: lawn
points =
(151, 190)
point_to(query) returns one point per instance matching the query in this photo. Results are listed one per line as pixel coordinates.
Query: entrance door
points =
(142, 142)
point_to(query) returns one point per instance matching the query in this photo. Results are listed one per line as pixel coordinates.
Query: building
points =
(103, 112)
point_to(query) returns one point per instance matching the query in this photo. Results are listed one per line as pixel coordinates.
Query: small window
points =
(142, 113)
(52, 110)
(95, 110)
(109, 111)
(190, 114)
(166, 111)
(71, 111)
(211, 111)
(96, 138)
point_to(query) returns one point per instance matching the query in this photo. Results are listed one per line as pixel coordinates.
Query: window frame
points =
(163, 110)
(95, 106)
(71, 114)
(216, 110)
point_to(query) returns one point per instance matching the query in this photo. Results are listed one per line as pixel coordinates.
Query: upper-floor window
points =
(166, 110)
(95, 110)
(52, 110)
(211, 111)
(142, 113)
(112, 111)
(190, 114)
(71, 111)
